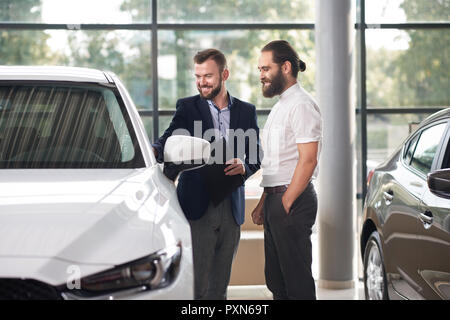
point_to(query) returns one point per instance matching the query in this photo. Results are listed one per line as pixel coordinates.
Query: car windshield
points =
(57, 125)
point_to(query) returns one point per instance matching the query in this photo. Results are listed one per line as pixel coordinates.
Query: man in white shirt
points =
(291, 143)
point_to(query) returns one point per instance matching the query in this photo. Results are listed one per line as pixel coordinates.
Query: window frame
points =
(418, 135)
(443, 148)
(414, 139)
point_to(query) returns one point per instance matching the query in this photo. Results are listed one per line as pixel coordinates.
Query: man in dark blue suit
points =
(215, 224)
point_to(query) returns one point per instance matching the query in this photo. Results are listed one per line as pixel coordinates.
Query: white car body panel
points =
(52, 73)
(93, 219)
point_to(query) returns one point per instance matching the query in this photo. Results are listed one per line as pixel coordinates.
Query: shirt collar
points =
(230, 101)
(289, 91)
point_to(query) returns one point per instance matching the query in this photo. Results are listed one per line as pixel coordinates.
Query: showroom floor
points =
(260, 292)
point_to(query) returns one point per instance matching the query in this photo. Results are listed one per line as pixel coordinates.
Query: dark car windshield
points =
(57, 125)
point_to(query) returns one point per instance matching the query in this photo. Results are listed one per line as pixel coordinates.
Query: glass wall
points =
(402, 67)
(407, 68)
(401, 11)
(176, 48)
(75, 12)
(403, 72)
(235, 11)
(30, 34)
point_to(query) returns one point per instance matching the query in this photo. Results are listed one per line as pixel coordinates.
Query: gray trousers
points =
(215, 238)
(287, 246)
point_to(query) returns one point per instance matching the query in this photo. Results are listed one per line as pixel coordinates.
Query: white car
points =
(85, 210)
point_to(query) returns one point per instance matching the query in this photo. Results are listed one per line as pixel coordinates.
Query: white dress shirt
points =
(294, 119)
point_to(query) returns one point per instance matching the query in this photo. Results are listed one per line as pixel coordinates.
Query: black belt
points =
(276, 189)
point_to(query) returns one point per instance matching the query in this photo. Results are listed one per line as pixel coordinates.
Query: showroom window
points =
(402, 65)
(403, 72)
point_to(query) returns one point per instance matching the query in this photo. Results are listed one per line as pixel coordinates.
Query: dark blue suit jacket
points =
(193, 195)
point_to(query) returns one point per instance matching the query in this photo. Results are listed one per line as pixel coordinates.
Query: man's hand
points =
(235, 166)
(258, 212)
(155, 152)
(258, 215)
(287, 203)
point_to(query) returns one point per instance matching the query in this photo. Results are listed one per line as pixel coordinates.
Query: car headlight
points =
(153, 272)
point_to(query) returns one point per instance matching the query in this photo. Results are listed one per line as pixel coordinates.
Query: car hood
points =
(92, 216)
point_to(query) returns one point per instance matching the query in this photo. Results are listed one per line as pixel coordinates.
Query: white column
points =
(334, 34)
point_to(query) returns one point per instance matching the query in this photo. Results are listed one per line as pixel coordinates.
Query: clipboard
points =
(218, 184)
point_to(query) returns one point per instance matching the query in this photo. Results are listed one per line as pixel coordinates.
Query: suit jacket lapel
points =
(206, 114)
(234, 116)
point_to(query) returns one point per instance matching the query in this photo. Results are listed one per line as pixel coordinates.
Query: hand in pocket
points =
(286, 203)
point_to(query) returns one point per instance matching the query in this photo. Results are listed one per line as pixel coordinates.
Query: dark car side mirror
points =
(439, 182)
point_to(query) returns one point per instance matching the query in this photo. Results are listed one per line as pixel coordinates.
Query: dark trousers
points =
(215, 239)
(287, 246)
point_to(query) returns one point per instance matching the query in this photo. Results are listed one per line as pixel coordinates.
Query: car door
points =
(402, 195)
(433, 247)
(401, 191)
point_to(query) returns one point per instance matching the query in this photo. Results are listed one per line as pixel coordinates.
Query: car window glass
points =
(65, 126)
(411, 147)
(446, 160)
(427, 147)
(120, 126)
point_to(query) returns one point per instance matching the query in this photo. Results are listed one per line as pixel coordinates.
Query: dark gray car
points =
(405, 232)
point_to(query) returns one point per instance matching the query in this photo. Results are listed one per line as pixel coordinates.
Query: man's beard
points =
(215, 91)
(275, 87)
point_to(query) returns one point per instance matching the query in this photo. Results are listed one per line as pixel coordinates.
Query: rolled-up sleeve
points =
(306, 123)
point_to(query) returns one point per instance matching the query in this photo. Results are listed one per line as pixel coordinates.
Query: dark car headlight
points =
(153, 272)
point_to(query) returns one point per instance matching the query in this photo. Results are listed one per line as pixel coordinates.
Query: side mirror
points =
(439, 183)
(183, 153)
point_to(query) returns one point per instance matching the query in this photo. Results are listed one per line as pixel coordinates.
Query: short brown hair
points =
(213, 54)
(282, 51)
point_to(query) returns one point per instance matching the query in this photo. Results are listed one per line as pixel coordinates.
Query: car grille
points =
(17, 289)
